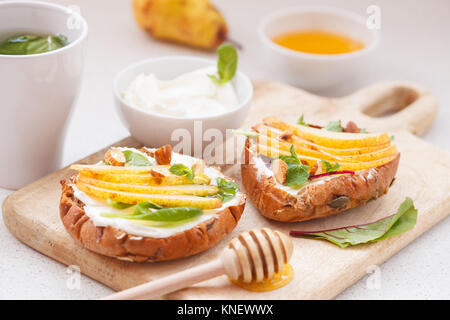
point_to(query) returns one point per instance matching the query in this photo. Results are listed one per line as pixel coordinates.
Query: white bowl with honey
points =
(318, 47)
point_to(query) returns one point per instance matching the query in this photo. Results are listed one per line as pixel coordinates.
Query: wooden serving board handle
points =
(392, 106)
(382, 107)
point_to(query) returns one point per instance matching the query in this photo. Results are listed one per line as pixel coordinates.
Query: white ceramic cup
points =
(317, 71)
(37, 91)
(153, 129)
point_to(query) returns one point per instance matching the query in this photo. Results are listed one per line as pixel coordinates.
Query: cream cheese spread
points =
(192, 94)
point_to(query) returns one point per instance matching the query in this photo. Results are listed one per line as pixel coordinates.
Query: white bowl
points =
(38, 91)
(317, 71)
(153, 129)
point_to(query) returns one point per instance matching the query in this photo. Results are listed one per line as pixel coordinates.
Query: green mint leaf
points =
(293, 158)
(160, 214)
(402, 221)
(135, 159)
(171, 214)
(180, 169)
(392, 138)
(226, 64)
(297, 175)
(363, 130)
(118, 205)
(335, 126)
(227, 189)
(301, 121)
(31, 44)
(329, 167)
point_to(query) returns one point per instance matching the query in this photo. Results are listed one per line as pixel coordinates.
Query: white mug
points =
(37, 91)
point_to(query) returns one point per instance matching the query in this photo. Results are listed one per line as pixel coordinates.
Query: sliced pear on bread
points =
(301, 151)
(186, 189)
(297, 141)
(161, 199)
(337, 140)
(353, 166)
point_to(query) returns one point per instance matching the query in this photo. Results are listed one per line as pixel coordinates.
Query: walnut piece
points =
(164, 154)
(352, 127)
(115, 157)
(286, 135)
(279, 168)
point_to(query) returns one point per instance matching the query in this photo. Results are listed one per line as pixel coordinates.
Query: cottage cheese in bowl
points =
(192, 94)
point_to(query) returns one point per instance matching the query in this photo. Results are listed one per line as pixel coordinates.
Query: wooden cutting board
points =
(322, 270)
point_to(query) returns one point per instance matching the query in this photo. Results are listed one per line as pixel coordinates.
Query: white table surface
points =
(414, 47)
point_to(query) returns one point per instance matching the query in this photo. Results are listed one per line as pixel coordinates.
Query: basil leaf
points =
(297, 175)
(135, 159)
(301, 121)
(227, 189)
(163, 215)
(335, 126)
(226, 64)
(402, 221)
(118, 205)
(32, 44)
(180, 169)
(329, 167)
(293, 158)
(142, 207)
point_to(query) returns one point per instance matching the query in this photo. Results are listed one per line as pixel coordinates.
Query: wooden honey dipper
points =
(251, 256)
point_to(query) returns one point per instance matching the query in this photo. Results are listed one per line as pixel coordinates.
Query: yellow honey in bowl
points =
(277, 281)
(318, 42)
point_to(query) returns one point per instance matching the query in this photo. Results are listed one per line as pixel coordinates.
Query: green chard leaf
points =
(226, 64)
(135, 159)
(335, 126)
(118, 205)
(180, 169)
(329, 167)
(402, 221)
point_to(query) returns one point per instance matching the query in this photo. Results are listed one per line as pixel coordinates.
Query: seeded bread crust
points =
(116, 243)
(316, 200)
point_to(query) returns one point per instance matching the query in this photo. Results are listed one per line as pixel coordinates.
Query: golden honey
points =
(318, 42)
(277, 281)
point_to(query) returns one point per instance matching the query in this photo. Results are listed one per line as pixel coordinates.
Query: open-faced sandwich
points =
(296, 172)
(149, 205)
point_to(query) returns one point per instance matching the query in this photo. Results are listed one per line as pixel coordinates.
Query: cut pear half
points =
(337, 140)
(183, 189)
(160, 199)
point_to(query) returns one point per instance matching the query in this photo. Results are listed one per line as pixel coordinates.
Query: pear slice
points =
(376, 155)
(147, 180)
(186, 189)
(353, 166)
(161, 199)
(297, 141)
(102, 169)
(337, 140)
